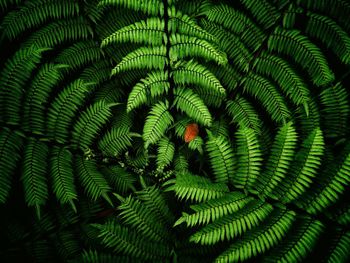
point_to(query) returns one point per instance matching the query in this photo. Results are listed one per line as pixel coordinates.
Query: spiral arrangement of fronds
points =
(96, 97)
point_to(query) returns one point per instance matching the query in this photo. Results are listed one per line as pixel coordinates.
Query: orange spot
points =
(191, 132)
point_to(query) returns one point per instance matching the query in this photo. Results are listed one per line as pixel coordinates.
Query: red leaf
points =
(191, 132)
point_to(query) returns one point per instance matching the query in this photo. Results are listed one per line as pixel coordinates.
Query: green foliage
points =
(120, 120)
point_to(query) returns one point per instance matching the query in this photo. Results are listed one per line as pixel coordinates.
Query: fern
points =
(34, 174)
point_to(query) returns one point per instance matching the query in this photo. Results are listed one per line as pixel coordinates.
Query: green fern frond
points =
(79, 54)
(232, 225)
(10, 147)
(335, 110)
(115, 141)
(249, 159)
(221, 157)
(287, 78)
(264, 12)
(304, 52)
(300, 240)
(243, 112)
(143, 58)
(259, 240)
(183, 46)
(126, 241)
(94, 256)
(34, 110)
(332, 35)
(166, 150)
(282, 153)
(59, 32)
(236, 51)
(214, 209)
(180, 163)
(36, 12)
(329, 187)
(195, 188)
(339, 247)
(155, 201)
(186, 25)
(92, 180)
(196, 144)
(150, 7)
(304, 167)
(190, 103)
(62, 176)
(193, 73)
(268, 95)
(34, 174)
(155, 84)
(14, 75)
(150, 31)
(68, 101)
(119, 179)
(89, 124)
(136, 215)
(237, 23)
(157, 122)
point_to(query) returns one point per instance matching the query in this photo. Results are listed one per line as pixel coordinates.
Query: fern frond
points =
(34, 13)
(243, 112)
(60, 31)
(268, 95)
(300, 240)
(282, 153)
(221, 157)
(183, 46)
(196, 144)
(332, 35)
(10, 147)
(166, 150)
(155, 201)
(150, 32)
(143, 58)
(232, 225)
(193, 73)
(339, 247)
(115, 141)
(249, 159)
(289, 81)
(92, 180)
(89, 124)
(136, 215)
(119, 179)
(79, 54)
(304, 52)
(264, 12)
(259, 240)
(155, 84)
(329, 188)
(150, 7)
(303, 169)
(180, 163)
(214, 209)
(14, 75)
(34, 110)
(237, 23)
(335, 112)
(186, 25)
(126, 241)
(195, 188)
(157, 122)
(237, 52)
(62, 176)
(190, 103)
(68, 101)
(34, 174)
